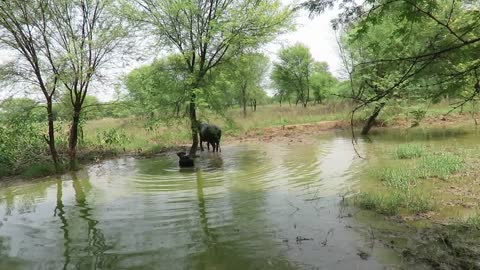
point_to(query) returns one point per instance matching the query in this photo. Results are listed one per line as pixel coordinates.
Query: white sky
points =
(316, 33)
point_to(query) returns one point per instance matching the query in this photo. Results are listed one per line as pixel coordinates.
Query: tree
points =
(208, 33)
(62, 42)
(425, 49)
(321, 82)
(85, 34)
(22, 29)
(293, 72)
(246, 74)
(160, 90)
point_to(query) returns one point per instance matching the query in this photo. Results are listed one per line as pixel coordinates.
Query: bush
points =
(113, 137)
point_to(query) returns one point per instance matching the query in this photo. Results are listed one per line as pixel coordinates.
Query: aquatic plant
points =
(409, 151)
(398, 178)
(418, 202)
(390, 203)
(382, 203)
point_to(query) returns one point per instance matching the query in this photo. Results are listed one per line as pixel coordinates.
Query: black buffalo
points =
(184, 161)
(211, 134)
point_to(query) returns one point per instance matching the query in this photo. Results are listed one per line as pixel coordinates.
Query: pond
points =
(253, 206)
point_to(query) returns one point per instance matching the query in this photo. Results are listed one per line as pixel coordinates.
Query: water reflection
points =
(60, 212)
(245, 208)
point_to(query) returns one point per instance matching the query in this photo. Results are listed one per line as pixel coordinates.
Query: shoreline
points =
(290, 133)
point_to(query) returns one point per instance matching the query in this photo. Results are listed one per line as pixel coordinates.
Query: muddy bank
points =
(436, 246)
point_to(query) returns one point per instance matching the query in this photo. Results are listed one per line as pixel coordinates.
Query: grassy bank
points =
(418, 181)
(421, 198)
(103, 138)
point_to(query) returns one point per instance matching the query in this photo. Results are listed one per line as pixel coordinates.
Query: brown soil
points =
(288, 133)
(301, 133)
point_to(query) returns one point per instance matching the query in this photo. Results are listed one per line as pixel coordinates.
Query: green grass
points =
(36, 170)
(391, 203)
(398, 178)
(409, 151)
(383, 203)
(274, 115)
(472, 222)
(402, 190)
(418, 202)
(440, 165)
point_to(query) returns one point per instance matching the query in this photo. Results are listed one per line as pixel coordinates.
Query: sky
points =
(316, 33)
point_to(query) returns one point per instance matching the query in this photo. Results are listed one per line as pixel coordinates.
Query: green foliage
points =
(292, 73)
(18, 109)
(21, 143)
(322, 82)
(298, 75)
(160, 90)
(409, 151)
(412, 50)
(113, 137)
(418, 116)
(239, 81)
(92, 108)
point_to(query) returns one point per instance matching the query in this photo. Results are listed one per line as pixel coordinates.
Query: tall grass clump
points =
(398, 178)
(418, 202)
(388, 203)
(472, 222)
(409, 151)
(440, 165)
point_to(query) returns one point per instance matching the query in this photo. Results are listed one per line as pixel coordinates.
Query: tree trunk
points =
(73, 139)
(193, 125)
(254, 104)
(244, 99)
(244, 108)
(371, 120)
(51, 136)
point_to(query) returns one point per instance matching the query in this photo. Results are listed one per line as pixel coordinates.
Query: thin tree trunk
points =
(73, 139)
(244, 108)
(193, 125)
(371, 120)
(254, 104)
(244, 98)
(51, 135)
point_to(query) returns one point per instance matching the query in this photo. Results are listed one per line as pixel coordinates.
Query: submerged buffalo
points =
(185, 160)
(211, 134)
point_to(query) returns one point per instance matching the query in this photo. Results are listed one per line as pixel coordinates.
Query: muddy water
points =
(266, 206)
